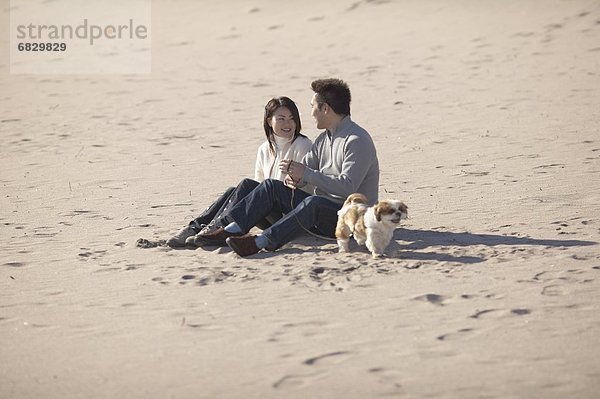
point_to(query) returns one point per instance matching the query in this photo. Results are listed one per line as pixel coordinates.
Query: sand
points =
(486, 120)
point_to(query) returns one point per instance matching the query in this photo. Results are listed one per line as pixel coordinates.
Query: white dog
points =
(371, 226)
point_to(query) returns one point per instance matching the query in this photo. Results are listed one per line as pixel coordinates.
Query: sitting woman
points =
(284, 141)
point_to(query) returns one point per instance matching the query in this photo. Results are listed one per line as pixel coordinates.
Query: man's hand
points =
(294, 171)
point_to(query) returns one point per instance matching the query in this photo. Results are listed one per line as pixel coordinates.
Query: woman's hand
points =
(290, 182)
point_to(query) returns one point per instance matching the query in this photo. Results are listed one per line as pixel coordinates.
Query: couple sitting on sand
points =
(298, 185)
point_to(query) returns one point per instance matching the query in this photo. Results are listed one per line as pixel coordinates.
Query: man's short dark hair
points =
(333, 92)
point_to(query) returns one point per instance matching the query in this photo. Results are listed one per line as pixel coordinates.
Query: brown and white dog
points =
(371, 226)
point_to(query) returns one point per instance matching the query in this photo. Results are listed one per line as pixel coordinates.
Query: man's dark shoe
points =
(216, 238)
(243, 246)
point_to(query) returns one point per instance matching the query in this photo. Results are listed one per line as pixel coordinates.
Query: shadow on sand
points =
(417, 240)
(421, 239)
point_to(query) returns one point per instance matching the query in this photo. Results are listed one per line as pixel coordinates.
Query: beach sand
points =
(486, 119)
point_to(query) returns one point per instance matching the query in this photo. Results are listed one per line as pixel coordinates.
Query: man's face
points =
(318, 114)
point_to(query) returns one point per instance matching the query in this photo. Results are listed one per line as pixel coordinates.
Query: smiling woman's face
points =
(283, 123)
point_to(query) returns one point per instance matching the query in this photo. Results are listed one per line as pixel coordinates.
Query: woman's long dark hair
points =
(270, 108)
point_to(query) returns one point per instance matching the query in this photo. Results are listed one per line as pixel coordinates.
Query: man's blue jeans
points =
(301, 211)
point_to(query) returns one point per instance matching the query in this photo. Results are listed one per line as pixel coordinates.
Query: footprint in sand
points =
(229, 37)
(14, 264)
(480, 313)
(294, 380)
(160, 280)
(298, 380)
(554, 290)
(387, 377)
(458, 334)
(144, 243)
(434, 299)
(209, 277)
(318, 359)
(88, 254)
(520, 312)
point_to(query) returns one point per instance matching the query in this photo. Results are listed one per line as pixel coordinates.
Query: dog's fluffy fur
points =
(371, 226)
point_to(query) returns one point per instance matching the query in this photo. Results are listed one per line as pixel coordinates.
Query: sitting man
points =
(342, 161)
